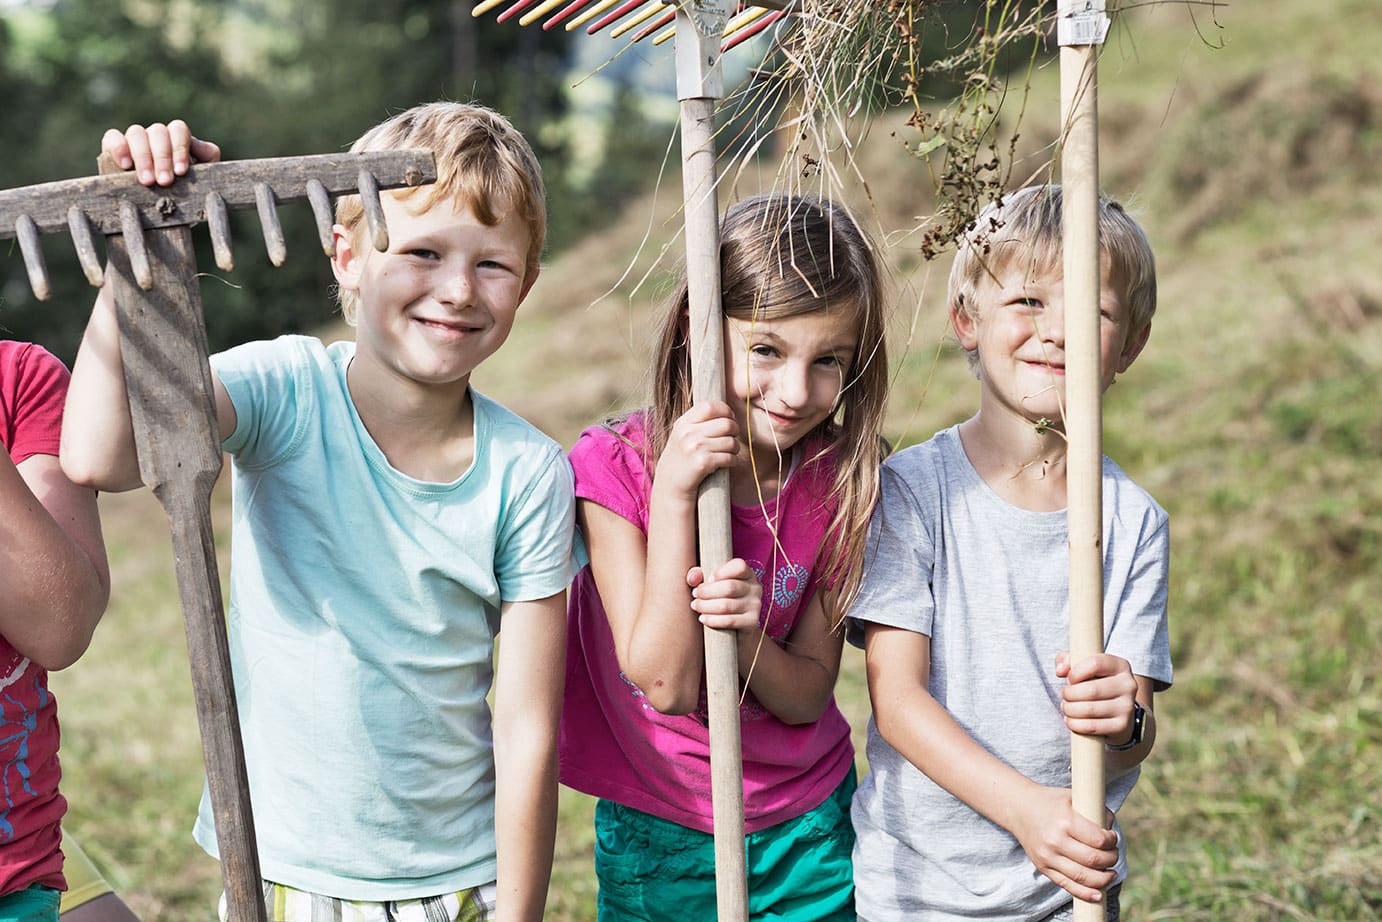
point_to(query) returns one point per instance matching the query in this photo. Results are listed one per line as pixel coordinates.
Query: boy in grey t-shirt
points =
(963, 613)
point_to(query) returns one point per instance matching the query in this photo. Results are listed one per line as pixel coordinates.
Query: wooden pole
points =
(1079, 20)
(699, 86)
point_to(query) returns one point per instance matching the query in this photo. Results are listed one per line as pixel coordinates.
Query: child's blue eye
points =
(422, 253)
(766, 352)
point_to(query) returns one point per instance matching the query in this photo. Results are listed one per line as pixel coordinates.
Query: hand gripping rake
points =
(704, 29)
(153, 272)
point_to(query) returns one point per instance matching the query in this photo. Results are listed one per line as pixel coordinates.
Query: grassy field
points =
(1253, 416)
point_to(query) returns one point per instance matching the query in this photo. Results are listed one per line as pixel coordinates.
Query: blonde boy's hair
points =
(1026, 225)
(483, 163)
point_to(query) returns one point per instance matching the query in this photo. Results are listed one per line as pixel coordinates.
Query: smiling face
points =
(1015, 325)
(783, 377)
(442, 298)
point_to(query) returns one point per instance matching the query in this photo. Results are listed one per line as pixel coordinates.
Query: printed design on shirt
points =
(17, 722)
(788, 584)
(636, 692)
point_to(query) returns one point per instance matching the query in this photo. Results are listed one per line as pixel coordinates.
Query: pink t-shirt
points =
(33, 386)
(614, 745)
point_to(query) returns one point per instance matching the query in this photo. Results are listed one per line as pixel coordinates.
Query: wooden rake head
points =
(653, 16)
(115, 203)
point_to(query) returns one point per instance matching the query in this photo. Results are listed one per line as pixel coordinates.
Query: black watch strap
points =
(1139, 721)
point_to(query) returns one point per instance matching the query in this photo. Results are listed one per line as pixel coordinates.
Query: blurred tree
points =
(263, 78)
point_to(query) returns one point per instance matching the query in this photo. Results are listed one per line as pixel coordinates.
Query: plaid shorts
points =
(284, 904)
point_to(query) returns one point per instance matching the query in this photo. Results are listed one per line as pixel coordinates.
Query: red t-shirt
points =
(33, 386)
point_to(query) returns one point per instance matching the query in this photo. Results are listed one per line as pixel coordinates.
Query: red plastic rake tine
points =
(518, 7)
(565, 14)
(747, 33)
(619, 13)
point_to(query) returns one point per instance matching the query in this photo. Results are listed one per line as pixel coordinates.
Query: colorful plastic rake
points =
(652, 15)
(704, 30)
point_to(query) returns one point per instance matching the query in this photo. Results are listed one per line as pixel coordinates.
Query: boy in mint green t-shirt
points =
(388, 522)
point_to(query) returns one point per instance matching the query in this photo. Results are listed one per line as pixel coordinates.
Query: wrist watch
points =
(1139, 722)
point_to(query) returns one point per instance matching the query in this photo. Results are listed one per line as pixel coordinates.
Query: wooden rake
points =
(704, 29)
(1081, 27)
(152, 270)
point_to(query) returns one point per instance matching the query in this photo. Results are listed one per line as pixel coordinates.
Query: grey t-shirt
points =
(988, 583)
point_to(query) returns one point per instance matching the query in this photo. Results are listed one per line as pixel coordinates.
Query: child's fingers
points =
(734, 622)
(735, 568)
(694, 577)
(151, 149)
(205, 151)
(114, 145)
(1098, 666)
(1085, 860)
(1113, 694)
(1074, 884)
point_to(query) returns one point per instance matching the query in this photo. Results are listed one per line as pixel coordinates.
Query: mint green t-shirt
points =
(363, 611)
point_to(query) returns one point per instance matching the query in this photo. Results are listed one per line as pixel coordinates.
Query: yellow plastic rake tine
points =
(590, 14)
(541, 10)
(484, 6)
(734, 25)
(648, 12)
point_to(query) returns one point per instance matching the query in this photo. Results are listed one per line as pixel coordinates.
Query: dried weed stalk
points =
(942, 64)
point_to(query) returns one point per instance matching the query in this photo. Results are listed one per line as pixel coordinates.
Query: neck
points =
(759, 478)
(425, 432)
(1021, 461)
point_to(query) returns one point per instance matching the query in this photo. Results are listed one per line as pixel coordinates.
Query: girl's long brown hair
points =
(781, 256)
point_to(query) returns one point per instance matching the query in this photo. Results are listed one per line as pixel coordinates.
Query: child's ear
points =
(1136, 342)
(528, 283)
(965, 327)
(346, 264)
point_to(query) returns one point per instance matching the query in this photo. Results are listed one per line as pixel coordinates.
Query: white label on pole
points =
(1081, 22)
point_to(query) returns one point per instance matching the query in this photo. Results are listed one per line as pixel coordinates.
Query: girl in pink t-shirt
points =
(806, 377)
(54, 584)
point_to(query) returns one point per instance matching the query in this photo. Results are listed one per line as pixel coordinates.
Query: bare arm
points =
(97, 433)
(795, 682)
(1069, 849)
(54, 579)
(527, 708)
(657, 639)
(98, 437)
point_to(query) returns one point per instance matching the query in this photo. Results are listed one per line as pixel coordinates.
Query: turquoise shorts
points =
(34, 904)
(658, 871)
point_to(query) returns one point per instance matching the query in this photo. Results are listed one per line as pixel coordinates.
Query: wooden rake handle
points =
(164, 352)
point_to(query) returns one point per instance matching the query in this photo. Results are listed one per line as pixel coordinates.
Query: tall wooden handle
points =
(1084, 415)
(716, 547)
(164, 351)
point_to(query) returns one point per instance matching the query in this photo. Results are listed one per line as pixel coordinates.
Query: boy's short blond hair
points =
(1026, 225)
(483, 163)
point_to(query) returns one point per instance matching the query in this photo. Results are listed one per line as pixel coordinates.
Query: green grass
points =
(1253, 417)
